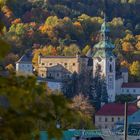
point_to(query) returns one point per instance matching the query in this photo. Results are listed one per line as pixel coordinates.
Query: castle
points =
(59, 68)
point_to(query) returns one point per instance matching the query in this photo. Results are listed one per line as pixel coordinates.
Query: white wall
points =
(100, 121)
(24, 68)
(133, 91)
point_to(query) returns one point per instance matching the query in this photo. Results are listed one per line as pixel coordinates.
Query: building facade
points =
(24, 65)
(61, 67)
(130, 89)
(104, 61)
(111, 113)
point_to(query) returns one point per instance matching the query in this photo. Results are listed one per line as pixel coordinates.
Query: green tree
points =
(104, 94)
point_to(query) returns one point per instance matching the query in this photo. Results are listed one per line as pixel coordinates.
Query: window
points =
(42, 75)
(105, 126)
(112, 119)
(111, 59)
(105, 119)
(100, 119)
(57, 74)
(50, 64)
(134, 90)
(99, 67)
(127, 90)
(118, 118)
(110, 68)
(73, 64)
(43, 64)
(65, 64)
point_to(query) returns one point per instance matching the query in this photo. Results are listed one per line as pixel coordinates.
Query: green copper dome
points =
(103, 54)
(104, 44)
(104, 47)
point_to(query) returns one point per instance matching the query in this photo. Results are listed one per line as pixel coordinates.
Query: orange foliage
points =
(7, 12)
(44, 28)
(127, 47)
(16, 21)
(33, 24)
(54, 51)
(77, 24)
(124, 63)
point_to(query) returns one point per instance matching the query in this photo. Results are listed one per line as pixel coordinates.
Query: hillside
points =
(63, 27)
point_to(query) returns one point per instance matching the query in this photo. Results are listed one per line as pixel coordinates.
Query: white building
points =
(130, 89)
(104, 61)
(24, 65)
(111, 113)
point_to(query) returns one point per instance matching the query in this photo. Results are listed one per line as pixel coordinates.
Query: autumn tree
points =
(83, 106)
(135, 69)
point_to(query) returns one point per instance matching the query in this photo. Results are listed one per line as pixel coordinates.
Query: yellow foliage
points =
(135, 69)
(44, 28)
(138, 46)
(129, 37)
(10, 67)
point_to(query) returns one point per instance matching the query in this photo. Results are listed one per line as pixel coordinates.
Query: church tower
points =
(104, 60)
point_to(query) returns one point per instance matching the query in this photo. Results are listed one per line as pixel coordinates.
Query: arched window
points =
(110, 68)
(99, 68)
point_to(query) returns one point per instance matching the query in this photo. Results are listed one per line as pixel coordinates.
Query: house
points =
(24, 65)
(110, 113)
(131, 89)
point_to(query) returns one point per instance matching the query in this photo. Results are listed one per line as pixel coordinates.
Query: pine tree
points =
(104, 94)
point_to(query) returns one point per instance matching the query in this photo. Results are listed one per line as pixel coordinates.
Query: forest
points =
(64, 27)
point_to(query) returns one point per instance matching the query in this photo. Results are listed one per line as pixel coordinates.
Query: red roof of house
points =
(116, 109)
(131, 85)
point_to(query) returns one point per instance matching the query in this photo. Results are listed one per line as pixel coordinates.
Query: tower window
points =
(99, 67)
(111, 59)
(110, 68)
(112, 119)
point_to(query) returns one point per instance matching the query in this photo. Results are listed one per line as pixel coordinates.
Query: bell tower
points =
(104, 60)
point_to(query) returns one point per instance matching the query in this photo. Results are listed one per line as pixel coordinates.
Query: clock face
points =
(99, 59)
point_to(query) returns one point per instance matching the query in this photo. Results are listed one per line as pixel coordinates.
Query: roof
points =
(89, 53)
(116, 109)
(103, 54)
(104, 44)
(81, 56)
(25, 58)
(131, 85)
(58, 57)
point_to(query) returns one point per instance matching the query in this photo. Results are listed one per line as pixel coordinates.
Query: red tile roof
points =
(116, 109)
(131, 85)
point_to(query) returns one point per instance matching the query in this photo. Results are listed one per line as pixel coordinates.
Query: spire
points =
(105, 31)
